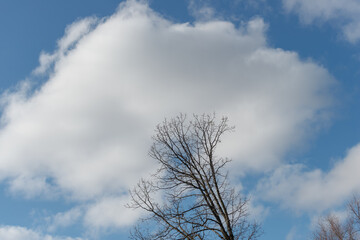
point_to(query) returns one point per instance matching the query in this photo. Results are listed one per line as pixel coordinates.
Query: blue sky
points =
(84, 83)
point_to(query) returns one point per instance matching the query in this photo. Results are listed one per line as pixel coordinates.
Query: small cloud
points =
(343, 13)
(21, 233)
(296, 188)
(201, 11)
(110, 212)
(64, 219)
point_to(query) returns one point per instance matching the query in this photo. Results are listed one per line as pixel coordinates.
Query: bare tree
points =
(354, 209)
(189, 197)
(331, 228)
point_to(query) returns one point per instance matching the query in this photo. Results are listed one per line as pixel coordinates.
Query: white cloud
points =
(346, 14)
(21, 233)
(314, 190)
(86, 132)
(257, 212)
(73, 33)
(291, 235)
(64, 219)
(111, 212)
(201, 10)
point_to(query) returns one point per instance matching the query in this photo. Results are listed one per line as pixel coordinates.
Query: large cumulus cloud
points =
(84, 134)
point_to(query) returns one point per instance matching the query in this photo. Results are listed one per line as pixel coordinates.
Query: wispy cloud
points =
(64, 219)
(73, 33)
(201, 10)
(343, 13)
(315, 190)
(21, 233)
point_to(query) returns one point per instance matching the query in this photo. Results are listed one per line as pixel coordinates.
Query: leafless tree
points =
(189, 197)
(331, 228)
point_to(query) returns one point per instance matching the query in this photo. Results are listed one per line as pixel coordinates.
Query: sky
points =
(84, 83)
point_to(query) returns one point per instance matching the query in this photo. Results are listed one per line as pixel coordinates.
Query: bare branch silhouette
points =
(197, 200)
